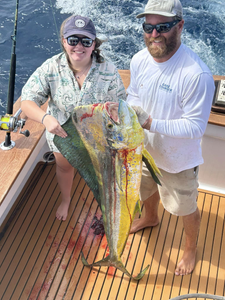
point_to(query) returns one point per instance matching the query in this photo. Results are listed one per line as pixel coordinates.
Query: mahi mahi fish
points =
(105, 144)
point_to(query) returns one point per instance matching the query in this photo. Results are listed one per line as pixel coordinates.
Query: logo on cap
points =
(79, 23)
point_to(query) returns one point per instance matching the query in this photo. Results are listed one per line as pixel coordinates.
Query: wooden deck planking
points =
(206, 259)
(197, 283)
(163, 268)
(31, 226)
(64, 242)
(216, 249)
(22, 227)
(75, 267)
(40, 256)
(220, 284)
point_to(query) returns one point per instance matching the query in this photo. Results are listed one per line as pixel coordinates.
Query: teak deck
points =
(41, 256)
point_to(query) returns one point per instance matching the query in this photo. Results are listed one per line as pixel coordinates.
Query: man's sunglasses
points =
(73, 40)
(160, 28)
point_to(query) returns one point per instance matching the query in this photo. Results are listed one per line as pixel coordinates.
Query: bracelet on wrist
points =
(44, 117)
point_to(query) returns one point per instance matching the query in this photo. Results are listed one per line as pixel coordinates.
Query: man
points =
(171, 84)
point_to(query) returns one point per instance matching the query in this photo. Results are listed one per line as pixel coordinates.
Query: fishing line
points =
(11, 87)
(8, 122)
(53, 13)
(13, 65)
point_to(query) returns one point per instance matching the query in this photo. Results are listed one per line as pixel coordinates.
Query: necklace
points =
(78, 76)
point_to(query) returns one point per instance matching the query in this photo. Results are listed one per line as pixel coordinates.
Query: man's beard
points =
(159, 51)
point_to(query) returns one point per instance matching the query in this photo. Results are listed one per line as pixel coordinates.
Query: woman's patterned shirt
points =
(55, 80)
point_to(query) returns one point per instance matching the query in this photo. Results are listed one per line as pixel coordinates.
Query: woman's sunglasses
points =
(73, 40)
(160, 28)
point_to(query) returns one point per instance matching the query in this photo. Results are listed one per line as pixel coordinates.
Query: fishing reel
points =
(11, 123)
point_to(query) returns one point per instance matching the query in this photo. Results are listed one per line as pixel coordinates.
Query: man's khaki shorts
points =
(178, 192)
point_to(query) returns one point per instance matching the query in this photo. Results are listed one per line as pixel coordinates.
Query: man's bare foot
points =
(187, 263)
(62, 211)
(141, 223)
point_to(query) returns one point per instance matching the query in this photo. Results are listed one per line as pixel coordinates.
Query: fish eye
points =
(110, 125)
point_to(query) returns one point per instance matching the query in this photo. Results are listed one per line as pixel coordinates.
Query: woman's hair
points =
(95, 52)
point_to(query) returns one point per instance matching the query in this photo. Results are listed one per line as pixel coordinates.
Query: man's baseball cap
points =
(167, 8)
(79, 25)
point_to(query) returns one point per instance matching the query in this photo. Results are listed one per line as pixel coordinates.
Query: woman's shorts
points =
(52, 146)
(178, 193)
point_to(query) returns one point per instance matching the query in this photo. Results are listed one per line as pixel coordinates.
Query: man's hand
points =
(144, 119)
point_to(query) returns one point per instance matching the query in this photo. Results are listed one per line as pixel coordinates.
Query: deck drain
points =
(49, 157)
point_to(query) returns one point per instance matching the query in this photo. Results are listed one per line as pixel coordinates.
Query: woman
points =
(78, 76)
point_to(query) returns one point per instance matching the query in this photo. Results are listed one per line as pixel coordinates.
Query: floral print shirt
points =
(56, 81)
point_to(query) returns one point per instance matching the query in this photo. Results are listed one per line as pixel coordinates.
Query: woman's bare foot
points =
(141, 223)
(187, 263)
(62, 211)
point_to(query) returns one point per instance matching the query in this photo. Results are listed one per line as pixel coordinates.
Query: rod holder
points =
(10, 124)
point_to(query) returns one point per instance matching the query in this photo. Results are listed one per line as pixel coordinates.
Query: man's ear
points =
(181, 25)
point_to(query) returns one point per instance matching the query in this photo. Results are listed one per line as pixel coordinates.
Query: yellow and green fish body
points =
(111, 140)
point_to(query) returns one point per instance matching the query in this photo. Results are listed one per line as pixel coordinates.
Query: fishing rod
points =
(9, 122)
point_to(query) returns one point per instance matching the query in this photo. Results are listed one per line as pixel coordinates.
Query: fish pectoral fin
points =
(137, 208)
(74, 150)
(116, 262)
(150, 164)
(118, 168)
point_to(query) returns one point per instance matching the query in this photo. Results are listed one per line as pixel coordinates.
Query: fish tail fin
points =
(150, 164)
(104, 262)
(117, 263)
(141, 274)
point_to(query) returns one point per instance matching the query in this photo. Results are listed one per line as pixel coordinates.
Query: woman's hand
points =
(53, 126)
